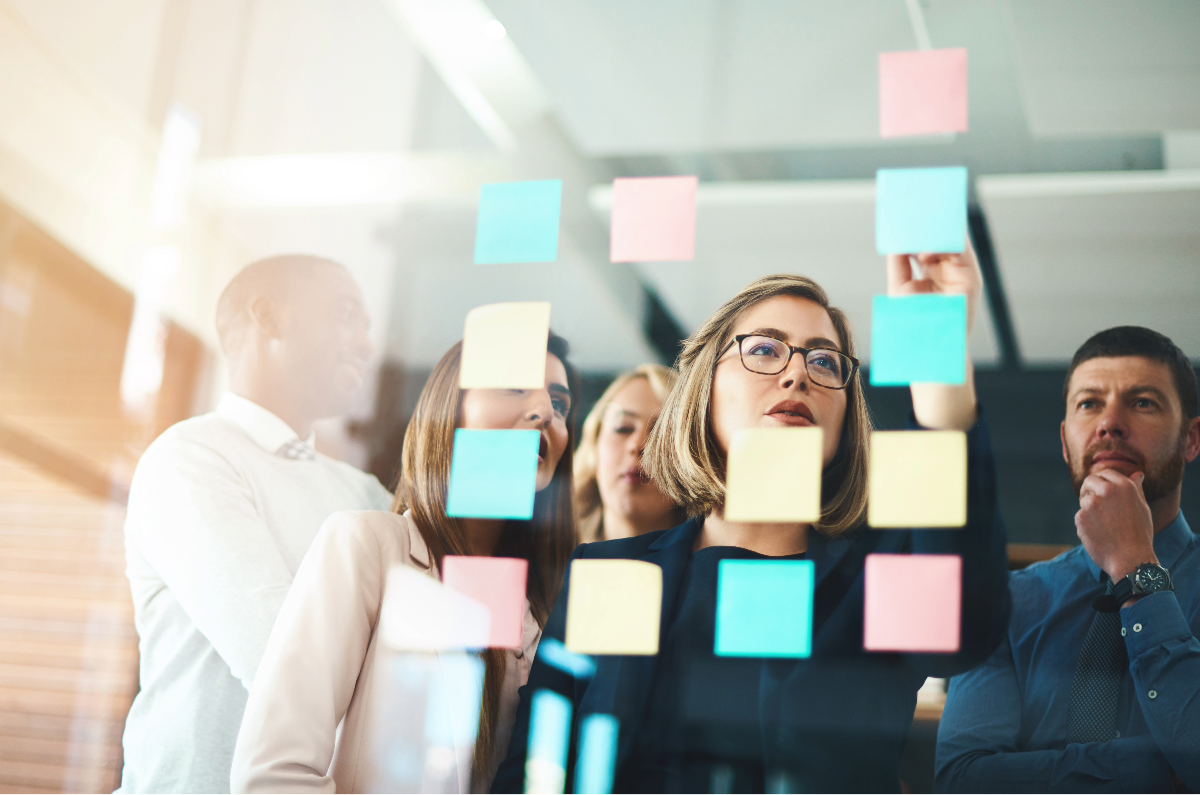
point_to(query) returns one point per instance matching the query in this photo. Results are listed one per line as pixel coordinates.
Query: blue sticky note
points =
(918, 339)
(764, 608)
(518, 222)
(597, 754)
(920, 210)
(493, 474)
(556, 655)
(549, 737)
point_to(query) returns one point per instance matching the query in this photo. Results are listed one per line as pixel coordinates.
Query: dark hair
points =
(1148, 344)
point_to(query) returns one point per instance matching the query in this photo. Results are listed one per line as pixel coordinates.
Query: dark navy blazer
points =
(835, 721)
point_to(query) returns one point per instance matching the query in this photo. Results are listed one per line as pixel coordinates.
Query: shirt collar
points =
(1169, 544)
(267, 430)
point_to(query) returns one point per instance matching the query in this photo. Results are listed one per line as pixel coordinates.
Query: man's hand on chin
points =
(1114, 522)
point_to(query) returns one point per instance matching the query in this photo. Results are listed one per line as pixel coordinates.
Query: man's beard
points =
(1162, 478)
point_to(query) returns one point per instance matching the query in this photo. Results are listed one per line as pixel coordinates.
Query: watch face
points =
(1150, 579)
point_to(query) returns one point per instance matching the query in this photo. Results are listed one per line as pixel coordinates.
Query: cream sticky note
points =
(774, 475)
(504, 346)
(917, 479)
(614, 607)
(922, 92)
(653, 219)
(912, 603)
(496, 583)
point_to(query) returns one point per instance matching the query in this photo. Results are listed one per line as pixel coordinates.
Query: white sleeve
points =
(194, 519)
(312, 663)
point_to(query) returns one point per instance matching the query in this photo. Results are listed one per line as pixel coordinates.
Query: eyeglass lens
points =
(769, 356)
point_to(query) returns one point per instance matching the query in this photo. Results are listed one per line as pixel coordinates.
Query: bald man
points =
(223, 507)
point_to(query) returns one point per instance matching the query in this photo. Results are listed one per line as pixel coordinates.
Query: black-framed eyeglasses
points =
(769, 356)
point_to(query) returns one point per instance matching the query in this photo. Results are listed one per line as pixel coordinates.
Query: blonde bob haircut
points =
(682, 455)
(587, 489)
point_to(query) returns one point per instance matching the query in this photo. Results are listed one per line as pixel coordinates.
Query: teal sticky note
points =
(549, 738)
(493, 474)
(597, 753)
(920, 210)
(518, 222)
(764, 608)
(918, 339)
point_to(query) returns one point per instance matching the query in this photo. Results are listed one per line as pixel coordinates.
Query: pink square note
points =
(913, 603)
(923, 92)
(653, 219)
(497, 583)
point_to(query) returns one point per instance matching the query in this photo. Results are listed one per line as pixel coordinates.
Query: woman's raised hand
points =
(941, 274)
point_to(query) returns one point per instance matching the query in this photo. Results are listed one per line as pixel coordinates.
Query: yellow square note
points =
(614, 607)
(504, 346)
(917, 479)
(774, 475)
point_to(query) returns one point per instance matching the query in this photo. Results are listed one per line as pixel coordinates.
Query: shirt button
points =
(1137, 627)
(1116, 735)
(1153, 694)
(1122, 632)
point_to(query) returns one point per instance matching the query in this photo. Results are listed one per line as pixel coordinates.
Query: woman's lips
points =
(792, 412)
(543, 449)
(635, 477)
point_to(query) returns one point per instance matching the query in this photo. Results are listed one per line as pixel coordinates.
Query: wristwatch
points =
(1146, 579)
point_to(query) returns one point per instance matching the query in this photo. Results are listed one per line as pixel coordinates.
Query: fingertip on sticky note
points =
(917, 479)
(504, 346)
(614, 607)
(774, 475)
(653, 219)
(912, 603)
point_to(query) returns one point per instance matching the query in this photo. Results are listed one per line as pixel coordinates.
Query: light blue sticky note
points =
(764, 608)
(920, 210)
(518, 222)
(597, 754)
(918, 339)
(549, 738)
(493, 474)
(556, 655)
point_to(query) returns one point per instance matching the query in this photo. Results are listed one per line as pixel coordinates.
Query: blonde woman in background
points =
(613, 495)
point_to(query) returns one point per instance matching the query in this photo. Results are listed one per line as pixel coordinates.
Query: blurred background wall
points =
(150, 148)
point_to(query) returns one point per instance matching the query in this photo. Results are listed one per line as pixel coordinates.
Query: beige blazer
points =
(305, 721)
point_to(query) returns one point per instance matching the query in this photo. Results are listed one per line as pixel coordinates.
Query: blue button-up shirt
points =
(1005, 724)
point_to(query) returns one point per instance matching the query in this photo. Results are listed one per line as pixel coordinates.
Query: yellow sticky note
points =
(917, 479)
(774, 475)
(614, 607)
(504, 346)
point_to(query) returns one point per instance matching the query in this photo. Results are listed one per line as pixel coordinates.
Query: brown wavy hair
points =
(682, 454)
(546, 541)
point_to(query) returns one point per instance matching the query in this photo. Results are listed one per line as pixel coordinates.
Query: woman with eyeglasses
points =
(777, 355)
(305, 725)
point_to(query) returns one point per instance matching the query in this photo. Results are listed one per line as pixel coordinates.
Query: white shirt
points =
(218, 522)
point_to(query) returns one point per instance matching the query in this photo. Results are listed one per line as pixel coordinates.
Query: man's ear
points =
(1062, 434)
(1192, 448)
(264, 315)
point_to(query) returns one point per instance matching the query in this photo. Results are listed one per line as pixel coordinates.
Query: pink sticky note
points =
(923, 92)
(497, 583)
(913, 603)
(653, 219)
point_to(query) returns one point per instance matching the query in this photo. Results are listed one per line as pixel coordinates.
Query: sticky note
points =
(912, 603)
(549, 738)
(774, 475)
(922, 92)
(917, 479)
(920, 210)
(653, 219)
(918, 339)
(597, 753)
(518, 222)
(446, 621)
(613, 607)
(764, 608)
(504, 346)
(496, 583)
(556, 655)
(493, 474)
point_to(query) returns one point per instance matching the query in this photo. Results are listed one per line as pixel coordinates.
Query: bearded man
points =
(1097, 685)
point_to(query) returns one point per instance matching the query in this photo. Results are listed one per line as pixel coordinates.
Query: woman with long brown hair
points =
(316, 672)
(829, 718)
